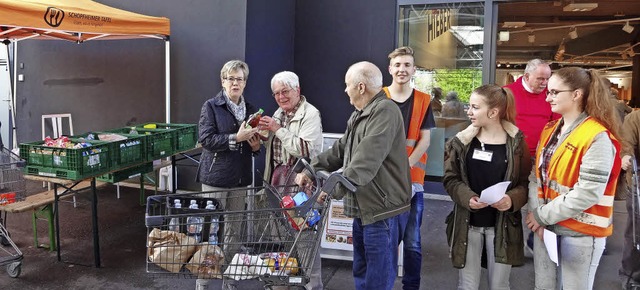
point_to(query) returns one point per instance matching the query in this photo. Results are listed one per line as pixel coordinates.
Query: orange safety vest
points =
(421, 103)
(564, 170)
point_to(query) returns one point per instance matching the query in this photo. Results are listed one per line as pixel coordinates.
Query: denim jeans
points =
(578, 258)
(409, 231)
(497, 273)
(372, 253)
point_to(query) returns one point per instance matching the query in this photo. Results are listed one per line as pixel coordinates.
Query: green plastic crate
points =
(160, 142)
(186, 135)
(127, 173)
(124, 152)
(66, 163)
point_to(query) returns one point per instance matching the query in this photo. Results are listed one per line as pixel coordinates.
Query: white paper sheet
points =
(494, 193)
(551, 243)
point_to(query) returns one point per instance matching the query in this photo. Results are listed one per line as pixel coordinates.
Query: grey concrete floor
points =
(123, 240)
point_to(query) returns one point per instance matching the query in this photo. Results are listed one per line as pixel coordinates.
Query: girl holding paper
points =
(577, 166)
(491, 150)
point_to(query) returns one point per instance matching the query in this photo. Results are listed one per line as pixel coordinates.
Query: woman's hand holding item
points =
(474, 203)
(503, 204)
(254, 141)
(245, 132)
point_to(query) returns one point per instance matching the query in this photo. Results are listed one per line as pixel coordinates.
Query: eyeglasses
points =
(232, 79)
(554, 93)
(282, 93)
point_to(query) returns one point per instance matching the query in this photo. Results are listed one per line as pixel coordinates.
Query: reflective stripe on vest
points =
(421, 103)
(564, 170)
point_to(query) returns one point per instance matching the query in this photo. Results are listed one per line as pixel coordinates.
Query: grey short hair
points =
(533, 64)
(368, 74)
(287, 78)
(234, 65)
(452, 95)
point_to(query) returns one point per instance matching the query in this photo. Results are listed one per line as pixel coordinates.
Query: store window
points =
(448, 43)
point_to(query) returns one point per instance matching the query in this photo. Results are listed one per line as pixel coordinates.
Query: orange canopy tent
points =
(78, 21)
(75, 20)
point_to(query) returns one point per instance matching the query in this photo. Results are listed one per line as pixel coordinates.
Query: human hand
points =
(245, 132)
(303, 180)
(268, 123)
(626, 162)
(532, 224)
(322, 197)
(540, 233)
(474, 203)
(254, 141)
(503, 204)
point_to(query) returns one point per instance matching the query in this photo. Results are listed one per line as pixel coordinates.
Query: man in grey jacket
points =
(373, 155)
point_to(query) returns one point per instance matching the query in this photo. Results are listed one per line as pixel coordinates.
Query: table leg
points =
(94, 218)
(56, 211)
(174, 178)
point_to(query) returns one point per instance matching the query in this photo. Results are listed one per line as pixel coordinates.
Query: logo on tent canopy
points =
(53, 16)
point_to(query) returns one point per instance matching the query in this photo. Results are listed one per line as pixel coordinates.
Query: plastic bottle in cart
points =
(194, 223)
(174, 224)
(214, 226)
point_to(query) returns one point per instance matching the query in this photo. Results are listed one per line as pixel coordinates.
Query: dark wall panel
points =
(330, 36)
(270, 37)
(102, 84)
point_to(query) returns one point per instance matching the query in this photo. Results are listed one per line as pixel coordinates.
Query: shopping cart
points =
(12, 189)
(267, 237)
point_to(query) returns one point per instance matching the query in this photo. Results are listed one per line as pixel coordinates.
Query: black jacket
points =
(219, 165)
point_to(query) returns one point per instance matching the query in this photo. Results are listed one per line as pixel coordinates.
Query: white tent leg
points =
(167, 80)
(14, 95)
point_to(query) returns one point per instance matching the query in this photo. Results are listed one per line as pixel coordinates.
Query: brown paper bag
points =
(207, 262)
(169, 249)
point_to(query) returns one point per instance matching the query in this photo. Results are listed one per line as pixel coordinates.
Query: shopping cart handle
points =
(302, 164)
(334, 179)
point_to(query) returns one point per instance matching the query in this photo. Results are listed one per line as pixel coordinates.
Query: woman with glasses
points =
(491, 150)
(576, 167)
(227, 147)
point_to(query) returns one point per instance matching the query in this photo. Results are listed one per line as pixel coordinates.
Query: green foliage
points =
(463, 81)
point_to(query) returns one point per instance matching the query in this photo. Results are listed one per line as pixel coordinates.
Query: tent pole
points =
(14, 95)
(167, 80)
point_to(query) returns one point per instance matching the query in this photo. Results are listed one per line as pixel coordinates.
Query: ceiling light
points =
(503, 36)
(513, 24)
(573, 33)
(531, 38)
(619, 14)
(627, 28)
(580, 7)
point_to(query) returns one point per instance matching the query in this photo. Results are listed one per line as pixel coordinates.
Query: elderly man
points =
(373, 155)
(532, 113)
(295, 132)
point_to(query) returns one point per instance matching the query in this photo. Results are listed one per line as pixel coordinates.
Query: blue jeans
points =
(409, 231)
(372, 253)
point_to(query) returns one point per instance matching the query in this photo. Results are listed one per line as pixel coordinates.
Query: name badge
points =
(482, 155)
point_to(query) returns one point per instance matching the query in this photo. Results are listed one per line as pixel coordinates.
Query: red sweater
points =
(532, 113)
